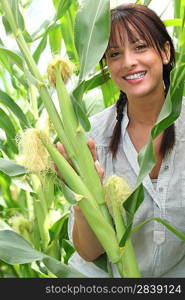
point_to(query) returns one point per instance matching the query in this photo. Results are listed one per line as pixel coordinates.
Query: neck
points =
(145, 111)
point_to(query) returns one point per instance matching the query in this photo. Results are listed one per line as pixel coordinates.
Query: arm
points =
(84, 239)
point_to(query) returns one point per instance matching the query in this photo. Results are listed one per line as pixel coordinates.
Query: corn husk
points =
(117, 186)
(66, 69)
(33, 155)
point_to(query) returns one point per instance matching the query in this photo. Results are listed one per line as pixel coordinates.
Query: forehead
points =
(123, 32)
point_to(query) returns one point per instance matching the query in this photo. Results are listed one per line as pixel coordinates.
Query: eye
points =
(141, 47)
(113, 54)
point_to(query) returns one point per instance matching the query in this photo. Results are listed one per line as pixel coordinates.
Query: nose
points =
(129, 60)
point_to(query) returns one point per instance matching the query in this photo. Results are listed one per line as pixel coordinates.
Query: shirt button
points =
(166, 167)
(159, 237)
(160, 189)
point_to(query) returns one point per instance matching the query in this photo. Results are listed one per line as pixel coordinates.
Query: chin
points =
(139, 94)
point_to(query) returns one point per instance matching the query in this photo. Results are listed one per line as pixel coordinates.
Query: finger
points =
(55, 169)
(77, 208)
(61, 149)
(99, 170)
(92, 148)
(77, 212)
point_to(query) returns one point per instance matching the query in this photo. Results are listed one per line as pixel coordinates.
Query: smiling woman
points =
(133, 64)
(140, 65)
(140, 56)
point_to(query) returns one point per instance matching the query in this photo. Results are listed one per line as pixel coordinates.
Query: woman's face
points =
(137, 68)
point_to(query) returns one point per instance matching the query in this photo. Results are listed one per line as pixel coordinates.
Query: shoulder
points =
(102, 125)
(183, 106)
(180, 122)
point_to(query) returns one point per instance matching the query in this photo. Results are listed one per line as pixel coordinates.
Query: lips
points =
(135, 76)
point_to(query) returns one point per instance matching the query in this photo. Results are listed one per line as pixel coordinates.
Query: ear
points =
(166, 53)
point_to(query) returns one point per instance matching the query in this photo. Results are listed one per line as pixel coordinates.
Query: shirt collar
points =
(125, 120)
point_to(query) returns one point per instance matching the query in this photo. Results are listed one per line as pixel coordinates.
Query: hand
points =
(92, 148)
(98, 167)
(61, 149)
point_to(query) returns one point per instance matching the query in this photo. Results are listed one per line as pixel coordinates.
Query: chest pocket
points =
(175, 205)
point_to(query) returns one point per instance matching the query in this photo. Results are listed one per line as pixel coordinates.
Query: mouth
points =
(135, 76)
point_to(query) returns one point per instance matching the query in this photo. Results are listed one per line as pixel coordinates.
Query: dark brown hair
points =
(151, 29)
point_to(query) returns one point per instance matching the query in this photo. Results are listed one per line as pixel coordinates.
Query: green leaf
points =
(173, 22)
(61, 270)
(79, 106)
(11, 168)
(5, 63)
(4, 225)
(92, 30)
(68, 194)
(9, 102)
(17, 14)
(7, 125)
(147, 2)
(110, 92)
(27, 36)
(166, 224)
(6, 25)
(131, 205)
(55, 38)
(19, 20)
(62, 9)
(41, 30)
(16, 250)
(101, 262)
(96, 81)
(67, 28)
(1, 42)
(93, 102)
(13, 57)
(68, 248)
(177, 15)
(40, 48)
(56, 228)
(177, 9)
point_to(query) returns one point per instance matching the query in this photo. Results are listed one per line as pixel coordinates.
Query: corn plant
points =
(36, 251)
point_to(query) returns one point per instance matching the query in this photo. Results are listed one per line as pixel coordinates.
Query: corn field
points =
(42, 105)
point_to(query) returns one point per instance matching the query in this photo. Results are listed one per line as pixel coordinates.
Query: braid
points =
(168, 139)
(115, 139)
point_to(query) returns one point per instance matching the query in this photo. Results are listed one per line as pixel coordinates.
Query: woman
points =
(139, 56)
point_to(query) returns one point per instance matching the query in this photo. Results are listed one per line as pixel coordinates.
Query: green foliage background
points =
(21, 107)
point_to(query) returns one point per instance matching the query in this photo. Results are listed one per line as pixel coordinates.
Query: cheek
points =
(158, 70)
(114, 72)
(113, 67)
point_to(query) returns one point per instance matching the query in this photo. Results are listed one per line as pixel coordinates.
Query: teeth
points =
(135, 76)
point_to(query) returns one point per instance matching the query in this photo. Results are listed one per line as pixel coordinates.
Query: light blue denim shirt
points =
(159, 252)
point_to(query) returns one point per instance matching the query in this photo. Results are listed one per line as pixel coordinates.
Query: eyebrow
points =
(133, 42)
(113, 47)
